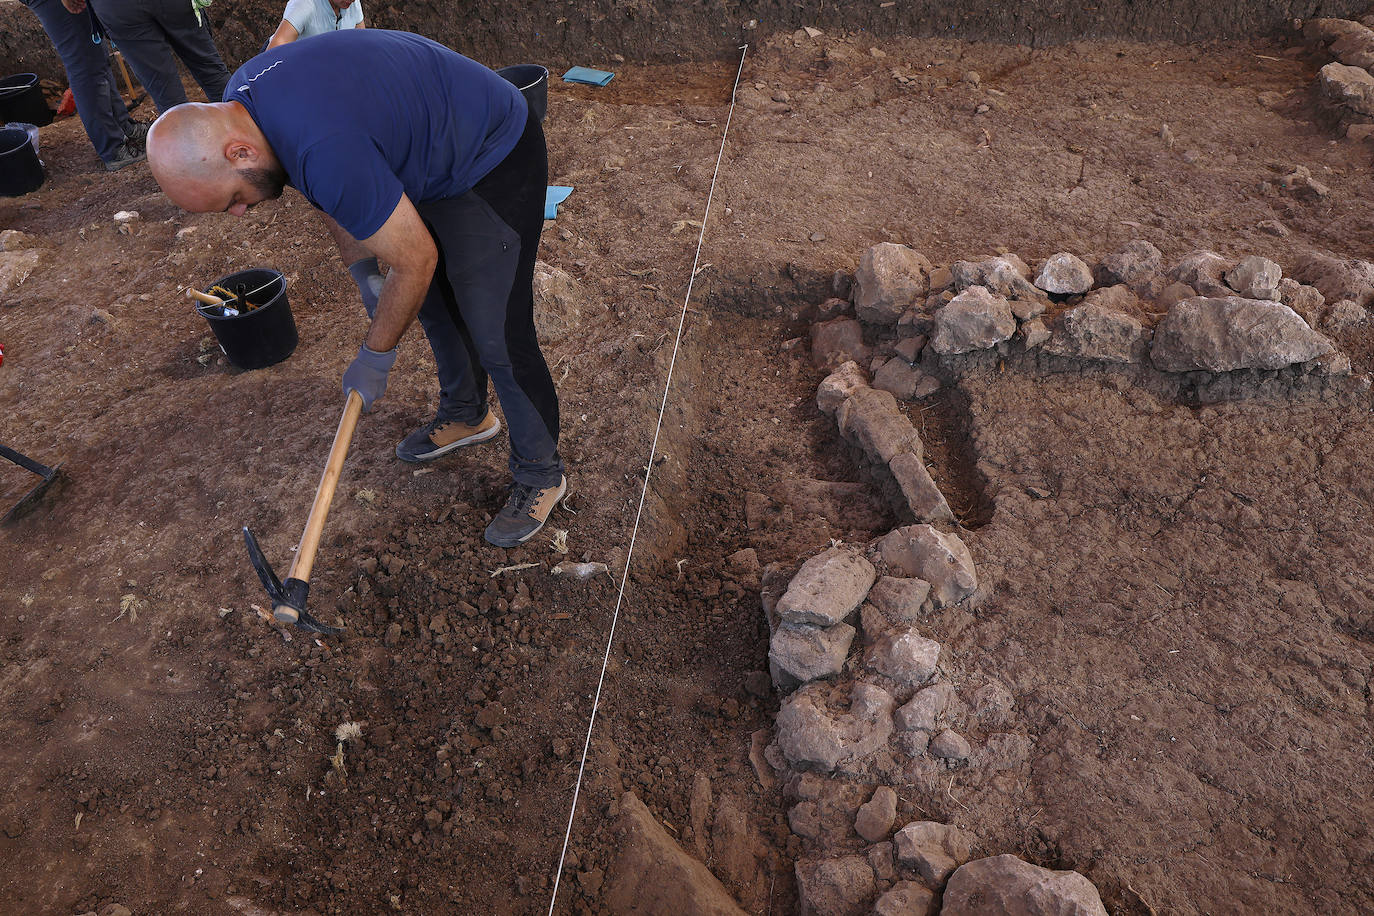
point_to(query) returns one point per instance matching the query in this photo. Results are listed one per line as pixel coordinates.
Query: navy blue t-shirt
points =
(359, 116)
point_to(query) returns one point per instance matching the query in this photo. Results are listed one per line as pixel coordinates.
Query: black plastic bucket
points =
(21, 99)
(20, 170)
(533, 82)
(261, 337)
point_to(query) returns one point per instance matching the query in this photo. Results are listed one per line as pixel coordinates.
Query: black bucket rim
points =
(541, 75)
(24, 140)
(18, 87)
(278, 296)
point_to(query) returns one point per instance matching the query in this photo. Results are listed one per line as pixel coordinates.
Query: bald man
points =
(426, 160)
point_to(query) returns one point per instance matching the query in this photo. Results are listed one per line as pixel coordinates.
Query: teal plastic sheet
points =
(553, 196)
(589, 76)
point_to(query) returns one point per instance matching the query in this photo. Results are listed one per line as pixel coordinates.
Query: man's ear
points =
(237, 151)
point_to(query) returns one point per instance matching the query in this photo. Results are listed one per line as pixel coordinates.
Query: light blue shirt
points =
(315, 17)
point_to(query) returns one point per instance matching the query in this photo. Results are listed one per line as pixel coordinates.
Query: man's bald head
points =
(212, 157)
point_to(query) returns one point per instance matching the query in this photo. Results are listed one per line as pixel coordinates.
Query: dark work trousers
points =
(479, 312)
(149, 31)
(98, 102)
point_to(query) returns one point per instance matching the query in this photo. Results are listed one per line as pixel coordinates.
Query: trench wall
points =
(590, 31)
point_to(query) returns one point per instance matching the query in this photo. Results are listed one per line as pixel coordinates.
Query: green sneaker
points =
(526, 510)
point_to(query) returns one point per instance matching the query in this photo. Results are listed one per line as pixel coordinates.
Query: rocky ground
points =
(1170, 627)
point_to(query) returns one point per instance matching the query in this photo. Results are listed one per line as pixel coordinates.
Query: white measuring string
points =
(644, 491)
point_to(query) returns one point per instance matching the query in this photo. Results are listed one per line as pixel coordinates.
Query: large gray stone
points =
(836, 387)
(872, 420)
(1355, 48)
(906, 898)
(1219, 335)
(905, 656)
(1094, 331)
(1203, 271)
(940, 559)
(560, 303)
(798, 653)
(899, 377)
(1005, 276)
(1256, 278)
(933, 849)
(923, 497)
(889, 279)
(1327, 30)
(924, 711)
(876, 815)
(1351, 87)
(827, 588)
(652, 875)
(1006, 886)
(1135, 263)
(841, 886)
(1336, 278)
(838, 341)
(1064, 274)
(812, 737)
(1306, 300)
(898, 598)
(973, 320)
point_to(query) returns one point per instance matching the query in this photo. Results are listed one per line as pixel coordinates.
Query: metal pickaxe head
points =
(30, 499)
(288, 598)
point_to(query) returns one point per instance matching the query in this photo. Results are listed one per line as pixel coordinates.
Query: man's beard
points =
(266, 181)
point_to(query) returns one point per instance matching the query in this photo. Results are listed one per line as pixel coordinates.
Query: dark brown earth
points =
(1185, 624)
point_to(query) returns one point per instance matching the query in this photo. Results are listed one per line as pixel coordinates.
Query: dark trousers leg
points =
(194, 44)
(489, 238)
(98, 102)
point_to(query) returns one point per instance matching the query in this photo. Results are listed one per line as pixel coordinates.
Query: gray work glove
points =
(368, 276)
(367, 374)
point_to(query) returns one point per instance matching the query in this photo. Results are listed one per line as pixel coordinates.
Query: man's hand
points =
(369, 278)
(75, 6)
(367, 374)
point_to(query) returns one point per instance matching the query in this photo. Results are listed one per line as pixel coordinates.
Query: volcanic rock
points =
(1136, 263)
(973, 320)
(1006, 886)
(1256, 278)
(1351, 87)
(837, 341)
(827, 588)
(839, 385)
(873, 421)
(875, 816)
(654, 876)
(932, 849)
(1337, 278)
(889, 279)
(811, 737)
(799, 653)
(923, 711)
(842, 886)
(1064, 274)
(940, 559)
(922, 496)
(1233, 333)
(906, 898)
(1202, 270)
(1094, 331)
(905, 656)
(899, 599)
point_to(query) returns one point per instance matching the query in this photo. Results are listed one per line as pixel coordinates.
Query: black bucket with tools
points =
(21, 99)
(250, 317)
(20, 170)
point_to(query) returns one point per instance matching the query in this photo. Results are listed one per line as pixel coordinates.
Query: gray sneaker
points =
(439, 437)
(525, 512)
(126, 155)
(138, 133)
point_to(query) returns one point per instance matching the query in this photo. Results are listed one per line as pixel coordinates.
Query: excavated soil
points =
(1184, 623)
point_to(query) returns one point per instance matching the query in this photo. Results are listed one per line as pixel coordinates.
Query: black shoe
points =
(128, 154)
(138, 134)
(525, 512)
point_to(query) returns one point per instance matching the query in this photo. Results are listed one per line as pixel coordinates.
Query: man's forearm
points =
(402, 296)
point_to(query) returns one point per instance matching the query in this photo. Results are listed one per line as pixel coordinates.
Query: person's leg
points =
(515, 191)
(193, 43)
(88, 74)
(145, 49)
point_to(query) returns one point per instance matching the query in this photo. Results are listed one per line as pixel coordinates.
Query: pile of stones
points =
(1346, 83)
(870, 701)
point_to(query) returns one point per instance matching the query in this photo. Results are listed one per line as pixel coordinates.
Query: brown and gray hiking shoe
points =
(525, 512)
(440, 437)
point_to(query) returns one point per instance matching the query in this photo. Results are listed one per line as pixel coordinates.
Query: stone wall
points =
(592, 30)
